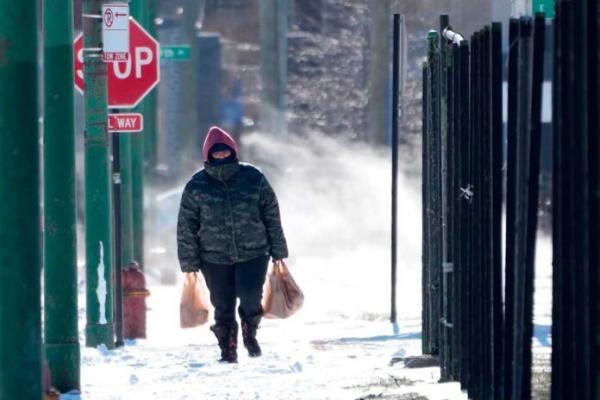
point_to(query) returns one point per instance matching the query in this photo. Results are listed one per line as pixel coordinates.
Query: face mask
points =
(222, 161)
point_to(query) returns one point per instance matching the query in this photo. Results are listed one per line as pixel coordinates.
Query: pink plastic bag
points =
(282, 295)
(193, 310)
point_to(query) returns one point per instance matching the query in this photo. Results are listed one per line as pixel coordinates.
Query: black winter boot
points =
(249, 328)
(227, 338)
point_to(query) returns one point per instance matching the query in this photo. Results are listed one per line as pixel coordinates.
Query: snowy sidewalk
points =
(337, 359)
(339, 346)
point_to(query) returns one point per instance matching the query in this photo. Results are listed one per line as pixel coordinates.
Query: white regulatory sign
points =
(115, 32)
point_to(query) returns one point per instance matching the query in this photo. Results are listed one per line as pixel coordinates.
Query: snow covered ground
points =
(304, 358)
(335, 207)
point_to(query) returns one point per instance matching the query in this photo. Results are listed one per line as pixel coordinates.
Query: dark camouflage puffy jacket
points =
(228, 214)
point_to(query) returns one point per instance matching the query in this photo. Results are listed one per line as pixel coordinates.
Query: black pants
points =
(228, 282)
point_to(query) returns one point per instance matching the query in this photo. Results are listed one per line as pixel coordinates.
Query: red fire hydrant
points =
(134, 302)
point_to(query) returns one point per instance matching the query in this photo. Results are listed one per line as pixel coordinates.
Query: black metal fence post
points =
(593, 58)
(533, 179)
(426, 300)
(511, 166)
(573, 313)
(435, 195)
(448, 265)
(496, 157)
(454, 205)
(558, 331)
(446, 262)
(476, 285)
(527, 153)
(485, 204)
(395, 95)
(562, 351)
(579, 179)
(523, 126)
(464, 210)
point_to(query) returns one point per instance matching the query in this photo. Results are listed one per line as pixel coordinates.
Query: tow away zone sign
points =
(125, 122)
(115, 32)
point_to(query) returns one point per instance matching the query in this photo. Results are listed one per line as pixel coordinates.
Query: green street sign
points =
(179, 52)
(545, 6)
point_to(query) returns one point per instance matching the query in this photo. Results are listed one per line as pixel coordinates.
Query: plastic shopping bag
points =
(282, 297)
(193, 310)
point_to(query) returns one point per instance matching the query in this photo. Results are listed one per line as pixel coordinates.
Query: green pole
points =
(98, 201)
(137, 195)
(151, 104)
(125, 142)
(126, 205)
(139, 12)
(273, 16)
(20, 261)
(189, 93)
(60, 236)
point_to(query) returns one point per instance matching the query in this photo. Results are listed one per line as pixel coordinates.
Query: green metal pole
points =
(151, 103)
(139, 12)
(137, 195)
(60, 236)
(20, 261)
(273, 66)
(189, 72)
(150, 130)
(125, 142)
(98, 201)
(125, 203)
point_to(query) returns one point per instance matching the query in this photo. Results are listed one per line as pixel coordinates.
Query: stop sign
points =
(128, 81)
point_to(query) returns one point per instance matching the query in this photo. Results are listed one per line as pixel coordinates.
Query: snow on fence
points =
(480, 326)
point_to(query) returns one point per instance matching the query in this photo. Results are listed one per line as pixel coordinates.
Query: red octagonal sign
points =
(128, 81)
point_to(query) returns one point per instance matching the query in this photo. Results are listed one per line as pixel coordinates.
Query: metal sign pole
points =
(395, 80)
(98, 203)
(116, 174)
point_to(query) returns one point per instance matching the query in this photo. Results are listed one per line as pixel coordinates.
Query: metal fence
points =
(482, 334)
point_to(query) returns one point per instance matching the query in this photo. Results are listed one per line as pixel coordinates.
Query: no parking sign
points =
(115, 32)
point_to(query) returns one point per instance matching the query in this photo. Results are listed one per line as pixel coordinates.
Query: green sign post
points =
(20, 255)
(60, 240)
(545, 6)
(175, 52)
(99, 327)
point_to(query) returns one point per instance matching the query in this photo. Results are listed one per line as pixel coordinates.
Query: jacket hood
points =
(217, 135)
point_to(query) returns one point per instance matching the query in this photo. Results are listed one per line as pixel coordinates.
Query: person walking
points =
(228, 227)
